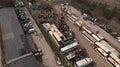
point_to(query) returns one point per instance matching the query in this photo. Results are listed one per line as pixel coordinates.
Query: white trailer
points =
(84, 62)
(88, 31)
(113, 62)
(95, 37)
(88, 39)
(102, 52)
(115, 58)
(57, 37)
(89, 36)
(100, 36)
(69, 48)
(102, 46)
(70, 18)
(114, 51)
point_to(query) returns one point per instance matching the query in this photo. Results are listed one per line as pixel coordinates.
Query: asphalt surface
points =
(11, 34)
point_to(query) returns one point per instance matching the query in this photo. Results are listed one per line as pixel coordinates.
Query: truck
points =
(84, 62)
(69, 48)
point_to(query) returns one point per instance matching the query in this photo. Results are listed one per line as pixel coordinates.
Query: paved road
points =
(11, 33)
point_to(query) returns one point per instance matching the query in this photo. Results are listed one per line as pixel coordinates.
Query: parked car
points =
(59, 62)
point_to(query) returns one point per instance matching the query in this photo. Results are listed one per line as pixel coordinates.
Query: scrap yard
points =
(64, 37)
(55, 34)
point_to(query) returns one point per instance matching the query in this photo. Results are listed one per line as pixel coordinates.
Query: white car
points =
(118, 38)
(38, 52)
(59, 63)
